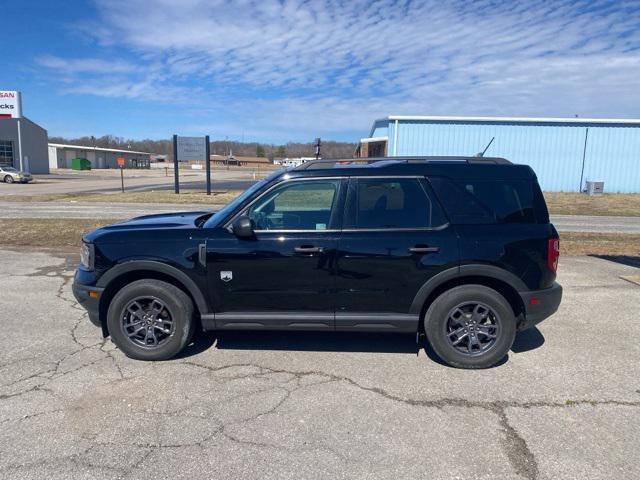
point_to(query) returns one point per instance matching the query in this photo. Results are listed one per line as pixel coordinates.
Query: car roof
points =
(483, 168)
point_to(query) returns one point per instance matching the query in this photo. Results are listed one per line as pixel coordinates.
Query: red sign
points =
(120, 161)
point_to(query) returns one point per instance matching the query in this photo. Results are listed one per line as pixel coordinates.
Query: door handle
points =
(424, 249)
(308, 249)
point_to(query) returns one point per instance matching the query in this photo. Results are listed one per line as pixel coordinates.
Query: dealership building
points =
(62, 156)
(564, 152)
(23, 143)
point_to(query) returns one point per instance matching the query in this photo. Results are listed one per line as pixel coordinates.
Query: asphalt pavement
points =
(116, 210)
(565, 404)
(108, 181)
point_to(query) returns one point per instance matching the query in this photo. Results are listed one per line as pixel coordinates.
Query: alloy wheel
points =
(472, 328)
(147, 322)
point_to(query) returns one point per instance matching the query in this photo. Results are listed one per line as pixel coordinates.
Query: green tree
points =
(281, 153)
(259, 151)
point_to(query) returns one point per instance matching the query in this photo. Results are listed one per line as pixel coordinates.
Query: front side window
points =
(392, 203)
(302, 205)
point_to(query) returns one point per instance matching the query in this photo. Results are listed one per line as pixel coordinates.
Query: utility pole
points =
(317, 148)
(208, 163)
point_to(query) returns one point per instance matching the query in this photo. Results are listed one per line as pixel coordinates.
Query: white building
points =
(61, 155)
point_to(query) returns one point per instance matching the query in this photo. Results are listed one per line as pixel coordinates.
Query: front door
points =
(284, 276)
(395, 238)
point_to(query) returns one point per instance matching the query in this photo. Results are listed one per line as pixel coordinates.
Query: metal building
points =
(21, 135)
(61, 155)
(23, 143)
(564, 152)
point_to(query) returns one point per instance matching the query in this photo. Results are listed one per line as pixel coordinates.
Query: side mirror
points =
(242, 227)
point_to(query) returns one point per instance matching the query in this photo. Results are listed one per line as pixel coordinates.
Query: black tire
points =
(453, 312)
(8, 179)
(178, 307)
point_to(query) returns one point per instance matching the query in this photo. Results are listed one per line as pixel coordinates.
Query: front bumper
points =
(90, 303)
(540, 304)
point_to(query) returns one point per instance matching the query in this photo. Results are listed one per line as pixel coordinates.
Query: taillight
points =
(553, 253)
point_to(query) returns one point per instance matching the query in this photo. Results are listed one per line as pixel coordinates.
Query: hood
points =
(162, 221)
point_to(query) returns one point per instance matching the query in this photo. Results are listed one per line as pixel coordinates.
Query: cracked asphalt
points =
(564, 405)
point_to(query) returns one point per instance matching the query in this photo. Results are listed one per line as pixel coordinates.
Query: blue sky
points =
(278, 71)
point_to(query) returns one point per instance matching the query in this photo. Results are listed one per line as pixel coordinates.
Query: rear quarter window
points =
(491, 201)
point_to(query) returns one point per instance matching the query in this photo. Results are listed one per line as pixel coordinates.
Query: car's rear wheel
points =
(470, 326)
(150, 320)
(8, 179)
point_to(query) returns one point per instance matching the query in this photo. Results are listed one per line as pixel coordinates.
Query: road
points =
(75, 209)
(108, 181)
(565, 404)
(587, 223)
(115, 210)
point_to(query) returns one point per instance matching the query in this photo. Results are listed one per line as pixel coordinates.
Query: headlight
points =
(87, 256)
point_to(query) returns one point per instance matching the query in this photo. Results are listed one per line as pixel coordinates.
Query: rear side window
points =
(489, 201)
(392, 203)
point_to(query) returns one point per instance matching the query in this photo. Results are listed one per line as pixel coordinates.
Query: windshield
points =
(9, 169)
(236, 202)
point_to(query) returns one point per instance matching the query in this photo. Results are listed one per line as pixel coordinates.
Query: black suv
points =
(460, 249)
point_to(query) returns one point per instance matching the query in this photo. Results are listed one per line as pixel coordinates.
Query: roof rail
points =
(332, 162)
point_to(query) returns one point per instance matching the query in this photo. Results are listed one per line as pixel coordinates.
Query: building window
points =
(6, 152)
(377, 149)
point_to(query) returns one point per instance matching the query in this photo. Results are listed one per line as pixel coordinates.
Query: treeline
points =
(329, 149)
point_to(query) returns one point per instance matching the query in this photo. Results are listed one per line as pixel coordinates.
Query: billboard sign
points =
(10, 104)
(192, 148)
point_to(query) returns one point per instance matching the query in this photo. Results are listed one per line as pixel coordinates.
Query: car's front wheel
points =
(8, 179)
(470, 326)
(150, 320)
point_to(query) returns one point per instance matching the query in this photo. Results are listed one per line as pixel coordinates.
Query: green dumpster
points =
(80, 164)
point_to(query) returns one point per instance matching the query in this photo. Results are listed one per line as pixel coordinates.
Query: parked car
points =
(459, 249)
(11, 175)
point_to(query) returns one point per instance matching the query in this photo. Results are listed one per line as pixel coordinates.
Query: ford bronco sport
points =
(458, 249)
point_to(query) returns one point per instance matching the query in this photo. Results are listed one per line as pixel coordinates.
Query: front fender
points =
(154, 266)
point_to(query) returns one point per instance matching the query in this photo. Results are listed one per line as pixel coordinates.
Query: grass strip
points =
(609, 204)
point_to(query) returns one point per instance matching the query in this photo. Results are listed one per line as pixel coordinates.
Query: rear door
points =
(395, 238)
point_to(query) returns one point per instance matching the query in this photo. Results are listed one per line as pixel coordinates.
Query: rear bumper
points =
(540, 304)
(90, 304)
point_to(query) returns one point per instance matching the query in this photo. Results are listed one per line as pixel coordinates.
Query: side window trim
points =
(351, 205)
(434, 201)
(336, 205)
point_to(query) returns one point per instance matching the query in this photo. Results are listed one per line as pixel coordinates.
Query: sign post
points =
(176, 174)
(207, 159)
(120, 161)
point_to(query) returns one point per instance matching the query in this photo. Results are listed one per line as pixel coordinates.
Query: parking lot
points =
(565, 404)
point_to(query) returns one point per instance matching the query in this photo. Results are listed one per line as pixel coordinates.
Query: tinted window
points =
(478, 201)
(304, 205)
(392, 203)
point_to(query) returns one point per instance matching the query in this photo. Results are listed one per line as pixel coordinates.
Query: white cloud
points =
(333, 66)
(85, 65)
